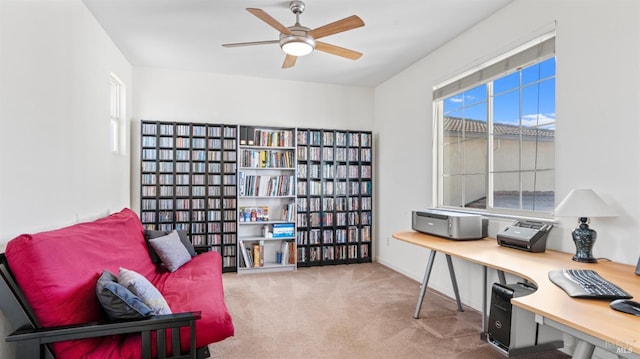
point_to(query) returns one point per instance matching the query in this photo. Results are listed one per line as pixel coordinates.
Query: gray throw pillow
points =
(184, 238)
(170, 250)
(145, 290)
(117, 301)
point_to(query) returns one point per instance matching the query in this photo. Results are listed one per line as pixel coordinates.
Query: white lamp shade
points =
(583, 203)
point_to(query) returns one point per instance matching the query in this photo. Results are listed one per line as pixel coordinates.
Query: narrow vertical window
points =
(116, 115)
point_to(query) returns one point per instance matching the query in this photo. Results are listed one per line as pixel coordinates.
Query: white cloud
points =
(457, 99)
(539, 119)
(460, 98)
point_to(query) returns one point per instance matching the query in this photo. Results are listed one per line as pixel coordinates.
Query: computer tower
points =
(512, 328)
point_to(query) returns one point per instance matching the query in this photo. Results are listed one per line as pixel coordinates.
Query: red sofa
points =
(57, 271)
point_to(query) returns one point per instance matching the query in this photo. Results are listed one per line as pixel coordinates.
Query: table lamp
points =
(584, 204)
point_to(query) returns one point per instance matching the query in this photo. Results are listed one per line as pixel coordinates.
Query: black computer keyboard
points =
(586, 283)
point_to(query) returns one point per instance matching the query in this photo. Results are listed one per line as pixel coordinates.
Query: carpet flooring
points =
(347, 311)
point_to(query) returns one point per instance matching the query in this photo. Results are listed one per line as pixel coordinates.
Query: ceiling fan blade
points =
(238, 44)
(348, 23)
(337, 50)
(262, 15)
(289, 61)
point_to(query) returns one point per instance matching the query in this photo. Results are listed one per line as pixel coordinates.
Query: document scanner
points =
(449, 224)
(530, 236)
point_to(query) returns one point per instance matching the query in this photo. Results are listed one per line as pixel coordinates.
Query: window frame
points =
(531, 53)
(117, 114)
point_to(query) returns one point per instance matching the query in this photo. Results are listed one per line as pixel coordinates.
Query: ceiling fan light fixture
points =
(297, 45)
(299, 40)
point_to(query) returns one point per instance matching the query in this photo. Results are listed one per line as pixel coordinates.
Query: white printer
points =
(449, 224)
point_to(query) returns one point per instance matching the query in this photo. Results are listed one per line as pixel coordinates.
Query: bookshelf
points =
(266, 199)
(303, 192)
(188, 182)
(334, 196)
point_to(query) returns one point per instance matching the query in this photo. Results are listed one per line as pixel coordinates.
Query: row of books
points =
(251, 185)
(261, 213)
(330, 138)
(267, 159)
(252, 136)
(215, 191)
(341, 204)
(210, 216)
(253, 254)
(327, 154)
(329, 219)
(253, 214)
(289, 212)
(319, 188)
(212, 130)
(187, 155)
(318, 254)
(328, 236)
(330, 171)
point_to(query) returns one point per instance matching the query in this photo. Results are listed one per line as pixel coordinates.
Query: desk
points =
(589, 320)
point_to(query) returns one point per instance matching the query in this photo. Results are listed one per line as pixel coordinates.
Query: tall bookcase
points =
(266, 199)
(334, 196)
(188, 182)
(293, 197)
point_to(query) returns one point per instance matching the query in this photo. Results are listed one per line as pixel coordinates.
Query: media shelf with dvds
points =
(297, 197)
(266, 199)
(334, 197)
(188, 182)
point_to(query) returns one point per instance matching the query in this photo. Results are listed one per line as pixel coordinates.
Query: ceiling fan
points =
(298, 40)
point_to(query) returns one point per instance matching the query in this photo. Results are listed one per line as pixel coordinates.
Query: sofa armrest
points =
(30, 342)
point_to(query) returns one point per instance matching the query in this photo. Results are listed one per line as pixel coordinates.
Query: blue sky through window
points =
(536, 85)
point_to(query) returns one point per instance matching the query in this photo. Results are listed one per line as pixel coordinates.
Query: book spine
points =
(261, 247)
(256, 255)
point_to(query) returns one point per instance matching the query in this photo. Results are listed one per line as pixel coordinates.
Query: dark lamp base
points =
(584, 239)
(585, 260)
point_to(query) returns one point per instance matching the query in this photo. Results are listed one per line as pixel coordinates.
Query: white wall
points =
(54, 146)
(55, 163)
(166, 95)
(598, 122)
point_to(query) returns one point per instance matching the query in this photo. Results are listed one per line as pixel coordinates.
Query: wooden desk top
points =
(590, 316)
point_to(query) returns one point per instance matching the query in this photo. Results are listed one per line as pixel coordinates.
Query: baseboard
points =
(414, 276)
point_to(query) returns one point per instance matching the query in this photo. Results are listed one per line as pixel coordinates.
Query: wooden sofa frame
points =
(32, 341)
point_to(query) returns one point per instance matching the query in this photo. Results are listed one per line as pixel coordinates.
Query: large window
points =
(496, 130)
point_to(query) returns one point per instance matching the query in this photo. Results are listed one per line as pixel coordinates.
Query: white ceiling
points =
(188, 35)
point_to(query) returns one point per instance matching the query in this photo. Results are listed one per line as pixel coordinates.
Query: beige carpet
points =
(346, 311)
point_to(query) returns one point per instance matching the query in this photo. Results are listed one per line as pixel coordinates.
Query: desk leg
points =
(501, 277)
(425, 281)
(484, 299)
(584, 350)
(454, 282)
